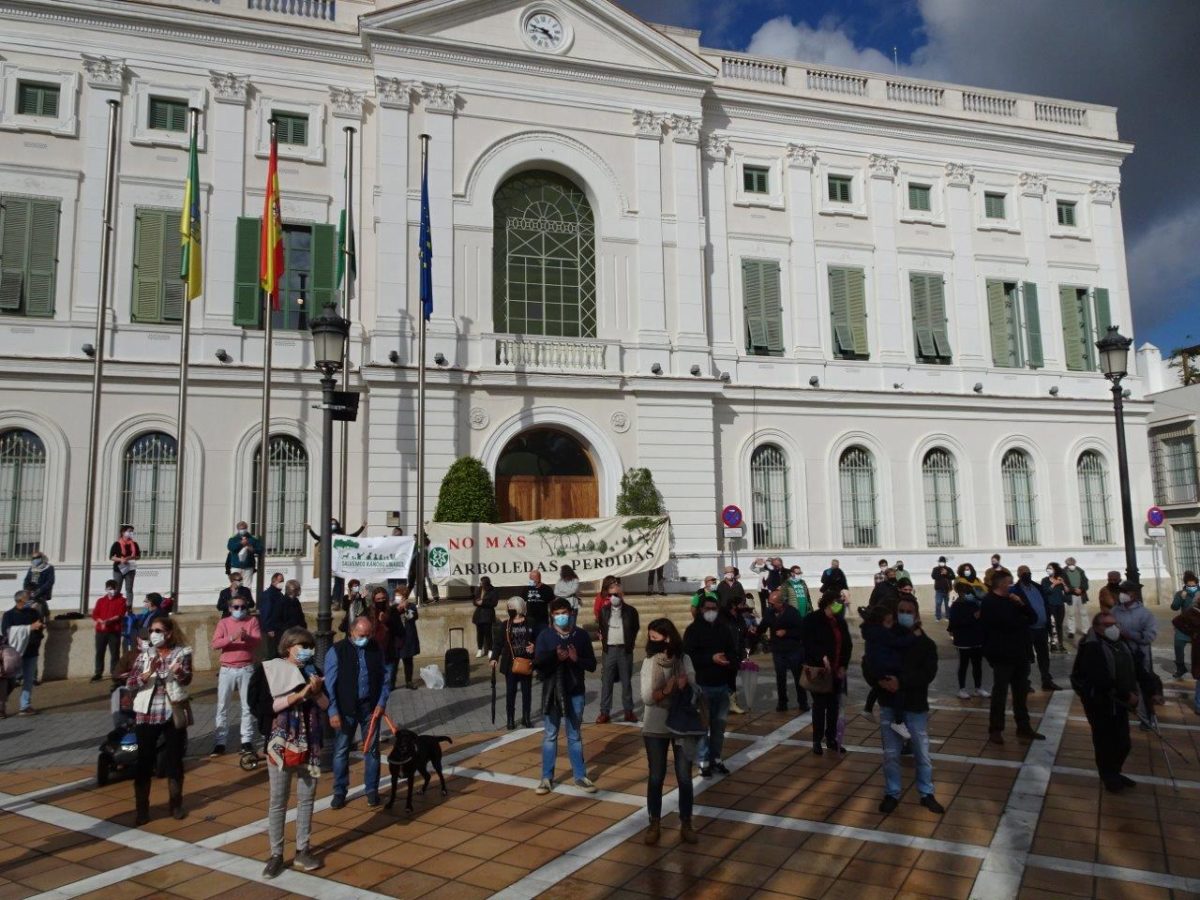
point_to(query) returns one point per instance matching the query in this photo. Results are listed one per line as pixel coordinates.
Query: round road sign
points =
(731, 516)
(1155, 517)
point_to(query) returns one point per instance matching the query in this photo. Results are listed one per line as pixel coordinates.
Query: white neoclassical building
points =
(861, 307)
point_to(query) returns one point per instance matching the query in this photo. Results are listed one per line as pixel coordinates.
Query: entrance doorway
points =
(545, 473)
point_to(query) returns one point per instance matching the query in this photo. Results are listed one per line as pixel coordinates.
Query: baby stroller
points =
(119, 752)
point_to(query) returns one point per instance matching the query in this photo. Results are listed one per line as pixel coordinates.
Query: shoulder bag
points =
(522, 666)
(687, 716)
(817, 679)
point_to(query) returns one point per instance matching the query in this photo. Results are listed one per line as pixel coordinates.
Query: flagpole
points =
(264, 463)
(420, 532)
(349, 264)
(89, 512)
(185, 345)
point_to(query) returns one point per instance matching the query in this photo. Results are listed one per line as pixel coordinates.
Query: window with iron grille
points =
(771, 512)
(940, 478)
(287, 497)
(1174, 455)
(1187, 548)
(1093, 497)
(37, 99)
(860, 518)
(148, 491)
(22, 492)
(1020, 499)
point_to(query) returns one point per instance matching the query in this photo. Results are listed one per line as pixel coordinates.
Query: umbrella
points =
(493, 696)
(749, 673)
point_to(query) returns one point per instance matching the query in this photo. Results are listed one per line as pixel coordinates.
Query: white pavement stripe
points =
(43, 792)
(1141, 779)
(531, 783)
(999, 877)
(595, 847)
(1163, 726)
(1117, 873)
(946, 757)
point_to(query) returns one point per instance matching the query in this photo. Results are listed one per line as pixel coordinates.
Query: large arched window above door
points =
(544, 257)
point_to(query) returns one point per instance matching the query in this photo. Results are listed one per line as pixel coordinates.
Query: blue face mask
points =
(1192, 588)
(360, 641)
(238, 613)
(905, 620)
(531, 582)
(562, 620)
(304, 655)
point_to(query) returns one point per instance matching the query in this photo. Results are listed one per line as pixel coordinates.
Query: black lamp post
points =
(1114, 363)
(330, 332)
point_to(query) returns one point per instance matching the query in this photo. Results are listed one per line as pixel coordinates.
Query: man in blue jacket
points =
(561, 656)
(1039, 631)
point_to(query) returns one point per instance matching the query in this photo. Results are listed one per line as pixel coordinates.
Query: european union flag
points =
(426, 248)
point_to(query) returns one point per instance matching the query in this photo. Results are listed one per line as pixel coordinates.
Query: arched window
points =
(148, 491)
(1020, 499)
(771, 512)
(860, 519)
(940, 479)
(1093, 497)
(22, 492)
(544, 257)
(287, 497)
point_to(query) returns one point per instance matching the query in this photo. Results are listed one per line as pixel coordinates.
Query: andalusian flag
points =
(270, 240)
(189, 229)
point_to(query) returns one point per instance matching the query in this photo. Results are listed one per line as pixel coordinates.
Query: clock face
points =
(544, 31)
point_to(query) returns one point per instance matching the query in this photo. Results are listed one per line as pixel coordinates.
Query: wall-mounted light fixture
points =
(439, 359)
(656, 369)
(394, 357)
(978, 387)
(1054, 391)
(89, 351)
(696, 370)
(814, 381)
(223, 356)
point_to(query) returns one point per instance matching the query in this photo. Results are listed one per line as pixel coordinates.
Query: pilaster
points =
(691, 340)
(440, 103)
(969, 305)
(227, 174)
(716, 162)
(1032, 197)
(393, 306)
(651, 311)
(891, 324)
(804, 301)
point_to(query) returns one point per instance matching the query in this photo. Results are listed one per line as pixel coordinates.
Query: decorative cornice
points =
(1032, 184)
(959, 174)
(1103, 192)
(346, 103)
(716, 146)
(685, 129)
(649, 124)
(801, 157)
(394, 93)
(228, 87)
(104, 73)
(439, 98)
(883, 166)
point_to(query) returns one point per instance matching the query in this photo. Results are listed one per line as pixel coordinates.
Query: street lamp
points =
(329, 334)
(1114, 363)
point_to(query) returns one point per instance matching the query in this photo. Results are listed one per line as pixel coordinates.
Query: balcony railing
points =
(551, 354)
(323, 10)
(918, 94)
(989, 104)
(837, 83)
(752, 70)
(1060, 115)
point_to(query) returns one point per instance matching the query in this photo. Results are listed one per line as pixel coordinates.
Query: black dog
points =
(412, 752)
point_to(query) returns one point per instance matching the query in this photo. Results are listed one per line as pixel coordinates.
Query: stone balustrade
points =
(550, 354)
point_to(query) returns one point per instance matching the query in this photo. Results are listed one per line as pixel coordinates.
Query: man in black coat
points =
(886, 591)
(730, 592)
(1006, 618)
(783, 623)
(712, 647)
(235, 589)
(833, 578)
(538, 598)
(1104, 676)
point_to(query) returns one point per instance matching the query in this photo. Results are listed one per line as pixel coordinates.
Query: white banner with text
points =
(372, 559)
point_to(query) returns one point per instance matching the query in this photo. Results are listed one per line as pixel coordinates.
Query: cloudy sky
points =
(1142, 56)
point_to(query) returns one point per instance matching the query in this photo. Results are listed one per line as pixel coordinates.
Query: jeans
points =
(228, 680)
(111, 643)
(357, 720)
(974, 658)
(656, 759)
(550, 725)
(617, 663)
(825, 715)
(281, 787)
(789, 664)
(1005, 675)
(28, 677)
(1195, 698)
(512, 684)
(709, 750)
(941, 604)
(1181, 641)
(918, 726)
(125, 584)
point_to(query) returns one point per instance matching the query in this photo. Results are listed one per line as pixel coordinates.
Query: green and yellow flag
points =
(189, 228)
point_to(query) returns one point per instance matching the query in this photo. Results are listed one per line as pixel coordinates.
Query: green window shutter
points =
(998, 325)
(1074, 330)
(1103, 311)
(918, 286)
(937, 317)
(856, 295)
(1033, 325)
(839, 189)
(247, 298)
(172, 262)
(993, 206)
(148, 266)
(772, 309)
(322, 283)
(14, 248)
(839, 312)
(919, 198)
(754, 307)
(43, 258)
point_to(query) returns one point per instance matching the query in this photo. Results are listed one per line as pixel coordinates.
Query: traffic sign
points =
(1156, 532)
(731, 516)
(1155, 517)
(734, 532)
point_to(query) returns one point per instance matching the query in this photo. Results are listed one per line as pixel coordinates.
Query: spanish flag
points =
(189, 229)
(270, 242)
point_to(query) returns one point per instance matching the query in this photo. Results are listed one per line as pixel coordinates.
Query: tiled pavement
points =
(1021, 820)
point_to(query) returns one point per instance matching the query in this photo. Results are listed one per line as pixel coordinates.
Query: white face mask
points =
(1112, 632)
(615, 599)
(129, 535)
(156, 638)
(729, 576)
(710, 615)
(1049, 571)
(110, 593)
(1125, 599)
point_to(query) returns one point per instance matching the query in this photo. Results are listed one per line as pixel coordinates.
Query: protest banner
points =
(372, 559)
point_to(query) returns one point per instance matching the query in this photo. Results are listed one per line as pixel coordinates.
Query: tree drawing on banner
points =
(559, 540)
(645, 526)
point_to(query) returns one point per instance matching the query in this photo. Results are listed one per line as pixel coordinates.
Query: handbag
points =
(521, 665)
(687, 716)
(817, 679)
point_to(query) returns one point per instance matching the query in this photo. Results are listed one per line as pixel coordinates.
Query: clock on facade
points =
(544, 31)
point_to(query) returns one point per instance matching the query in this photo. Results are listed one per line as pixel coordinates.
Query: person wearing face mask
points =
(159, 680)
(39, 581)
(712, 647)
(1188, 624)
(562, 654)
(708, 589)
(236, 590)
(406, 642)
(784, 624)
(538, 597)
(1139, 628)
(993, 570)
(242, 552)
(108, 614)
(1005, 617)
(1054, 591)
(1039, 633)
(357, 679)
(23, 629)
(601, 599)
(512, 654)
(943, 583)
(237, 639)
(136, 623)
(1077, 597)
(619, 627)
(1104, 676)
(834, 579)
(125, 553)
(291, 613)
(484, 616)
(730, 591)
(886, 593)
(1109, 594)
(881, 574)
(1184, 599)
(826, 645)
(966, 575)
(968, 640)
(270, 602)
(902, 573)
(288, 695)
(883, 656)
(795, 592)
(567, 587)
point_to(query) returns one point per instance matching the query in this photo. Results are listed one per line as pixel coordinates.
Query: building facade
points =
(863, 308)
(1176, 477)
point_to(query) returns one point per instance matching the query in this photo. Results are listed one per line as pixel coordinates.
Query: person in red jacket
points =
(109, 616)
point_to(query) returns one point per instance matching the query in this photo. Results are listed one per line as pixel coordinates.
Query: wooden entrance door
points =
(524, 498)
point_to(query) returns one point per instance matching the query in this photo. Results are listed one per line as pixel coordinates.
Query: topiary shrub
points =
(466, 494)
(639, 496)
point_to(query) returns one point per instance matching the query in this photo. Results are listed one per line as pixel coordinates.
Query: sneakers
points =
(338, 801)
(586, 784)
(274, 867)
(28, 711)
(982, 692)
(932, 805)
(305, 861)
(964, 694)
(544, 787)
(1179, 673)
(733, 706)
(706, 771)
(901, 729)
(889, 804)
(603, 719)
(719, 768)
(478, 654)
(217, 750)
(372, 800)
(818, 750)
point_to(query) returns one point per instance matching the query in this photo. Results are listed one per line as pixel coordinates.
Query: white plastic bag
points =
(433, 678)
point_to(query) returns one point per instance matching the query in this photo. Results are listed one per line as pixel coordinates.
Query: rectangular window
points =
(37, 99)
(839, 188)
(1014, 322)
(167, 114)
(1086, 317)
(1066, 213)
(291, 128)
(848, 312)
(308, 283)
(756, 179)
(920, 198)
(1187, 547)
(157, 254)
(1175, 475)
(928, 294)
(993, 206)
(761, 301)
(28, 255)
